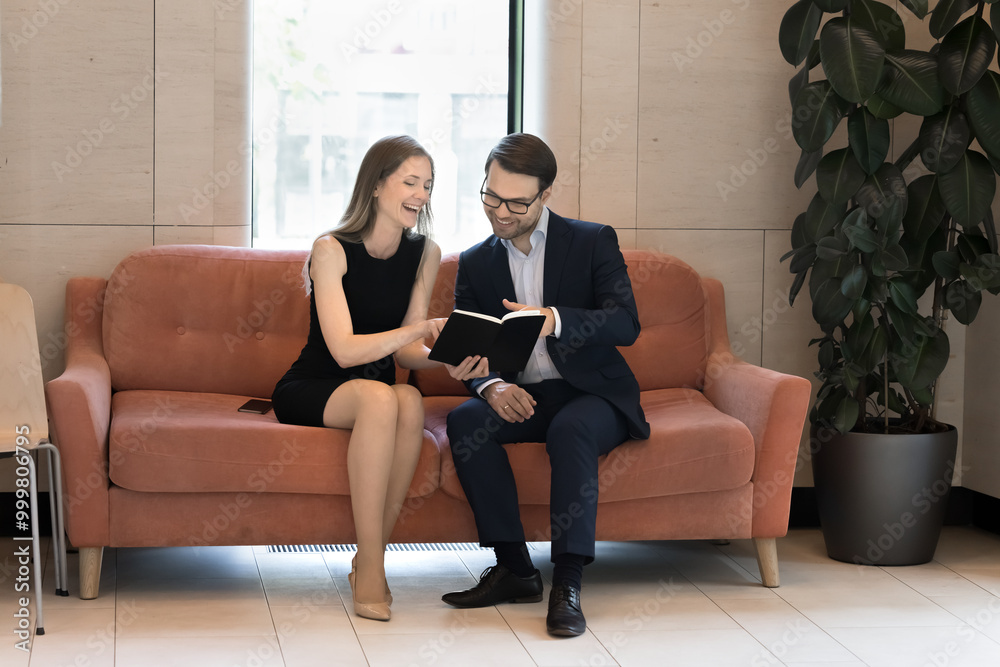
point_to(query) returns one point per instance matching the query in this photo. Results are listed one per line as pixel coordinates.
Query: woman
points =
(371, 279)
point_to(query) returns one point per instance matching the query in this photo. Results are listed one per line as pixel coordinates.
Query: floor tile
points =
(664, 605)
(980, 611)
(686, 648)
(260, 651)
(446, 648)
(317, 636)
(933, 579)
(784, 631)
(953, 646)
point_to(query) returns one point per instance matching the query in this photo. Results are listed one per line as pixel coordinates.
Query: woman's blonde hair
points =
(381, 161)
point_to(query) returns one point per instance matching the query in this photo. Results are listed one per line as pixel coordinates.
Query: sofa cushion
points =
(190, 442)
(693, 448)
(205, 319)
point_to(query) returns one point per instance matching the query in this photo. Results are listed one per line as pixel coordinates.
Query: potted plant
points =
(890, 248)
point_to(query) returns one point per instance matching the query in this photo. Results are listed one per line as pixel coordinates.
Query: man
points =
(577, 393)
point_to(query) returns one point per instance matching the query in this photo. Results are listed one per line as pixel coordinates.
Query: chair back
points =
(22, 397)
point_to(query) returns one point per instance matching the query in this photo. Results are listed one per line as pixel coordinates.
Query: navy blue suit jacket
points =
(585, 278)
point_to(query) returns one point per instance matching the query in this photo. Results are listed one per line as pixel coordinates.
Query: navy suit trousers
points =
(576, 428)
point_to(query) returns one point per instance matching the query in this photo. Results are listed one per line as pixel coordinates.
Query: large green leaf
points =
(869, 139)
(874, 352)
(858, 335)
(830, 306)
(963, 301)
(831, 248)
(911, 83)
(920, 364)
(946, 14)
(862, 238)
(881, 109)
(947, 263)
(971, 245)
(852, 58)
(797, 30)
(803, 258)
(798, 232)
(854, 283)
(918, 7)
(797, 83)
(944, 138)
(965, 55)
(806, 166)
(816, 114)
(821, 218)
(881, 20)
(839, 176)
(894, 258)
(883, 195)
(793, 291)
(902, 295)
(846, 416)
(968, 189)
(983, 107)
(925, 209)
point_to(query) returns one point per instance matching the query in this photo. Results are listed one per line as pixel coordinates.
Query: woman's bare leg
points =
(409, 439)
(369, 408)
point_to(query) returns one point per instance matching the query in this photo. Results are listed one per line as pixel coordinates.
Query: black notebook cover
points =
(506, 343)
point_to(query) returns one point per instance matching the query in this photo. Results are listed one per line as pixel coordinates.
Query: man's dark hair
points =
(522, 153)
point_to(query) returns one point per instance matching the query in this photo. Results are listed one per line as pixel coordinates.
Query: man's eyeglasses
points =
(514, 206)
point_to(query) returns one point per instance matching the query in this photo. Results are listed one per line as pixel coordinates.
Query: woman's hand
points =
(432, 327)
(471, 367)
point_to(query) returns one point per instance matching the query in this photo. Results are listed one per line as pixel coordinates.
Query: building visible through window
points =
(330, 78)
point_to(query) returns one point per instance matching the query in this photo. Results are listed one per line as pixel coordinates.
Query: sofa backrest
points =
(205, 318)
(232, 320)
(672, 349)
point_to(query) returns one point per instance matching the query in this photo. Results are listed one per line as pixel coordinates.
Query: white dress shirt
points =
(527, 273)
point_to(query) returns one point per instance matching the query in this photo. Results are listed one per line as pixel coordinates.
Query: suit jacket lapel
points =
(556, 249)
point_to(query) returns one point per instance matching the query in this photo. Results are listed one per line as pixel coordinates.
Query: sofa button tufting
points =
(260, 335)
(181, 331)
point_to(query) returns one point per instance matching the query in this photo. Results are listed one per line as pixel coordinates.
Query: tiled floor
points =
(651, 603)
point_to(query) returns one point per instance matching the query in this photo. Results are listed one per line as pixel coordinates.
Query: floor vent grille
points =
(350, 548)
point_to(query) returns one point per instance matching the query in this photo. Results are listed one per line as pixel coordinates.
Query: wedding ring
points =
(505, 407)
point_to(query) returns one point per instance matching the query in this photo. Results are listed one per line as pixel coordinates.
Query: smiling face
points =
(404, 192)
(520, 188)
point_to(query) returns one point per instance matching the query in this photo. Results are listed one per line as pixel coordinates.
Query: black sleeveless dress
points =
(378, 295)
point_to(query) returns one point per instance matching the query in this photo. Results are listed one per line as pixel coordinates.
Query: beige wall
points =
(670, 121)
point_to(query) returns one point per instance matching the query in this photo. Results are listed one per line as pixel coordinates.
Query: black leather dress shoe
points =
(565, 617)
(498, 584)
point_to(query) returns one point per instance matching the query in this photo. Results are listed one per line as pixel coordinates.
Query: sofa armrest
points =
(79, 403)
(774, 406)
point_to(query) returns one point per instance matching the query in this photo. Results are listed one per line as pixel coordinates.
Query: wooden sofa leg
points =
(767, 560)
(90, 571)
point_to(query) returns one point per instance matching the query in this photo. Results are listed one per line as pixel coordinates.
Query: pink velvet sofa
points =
(155, 452)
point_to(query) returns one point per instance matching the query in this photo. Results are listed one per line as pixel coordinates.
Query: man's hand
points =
(510, 401)
(548, 328)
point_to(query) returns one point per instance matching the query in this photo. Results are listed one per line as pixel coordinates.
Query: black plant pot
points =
(882, 497)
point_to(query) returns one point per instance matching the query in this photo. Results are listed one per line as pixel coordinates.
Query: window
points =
(330, 78)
